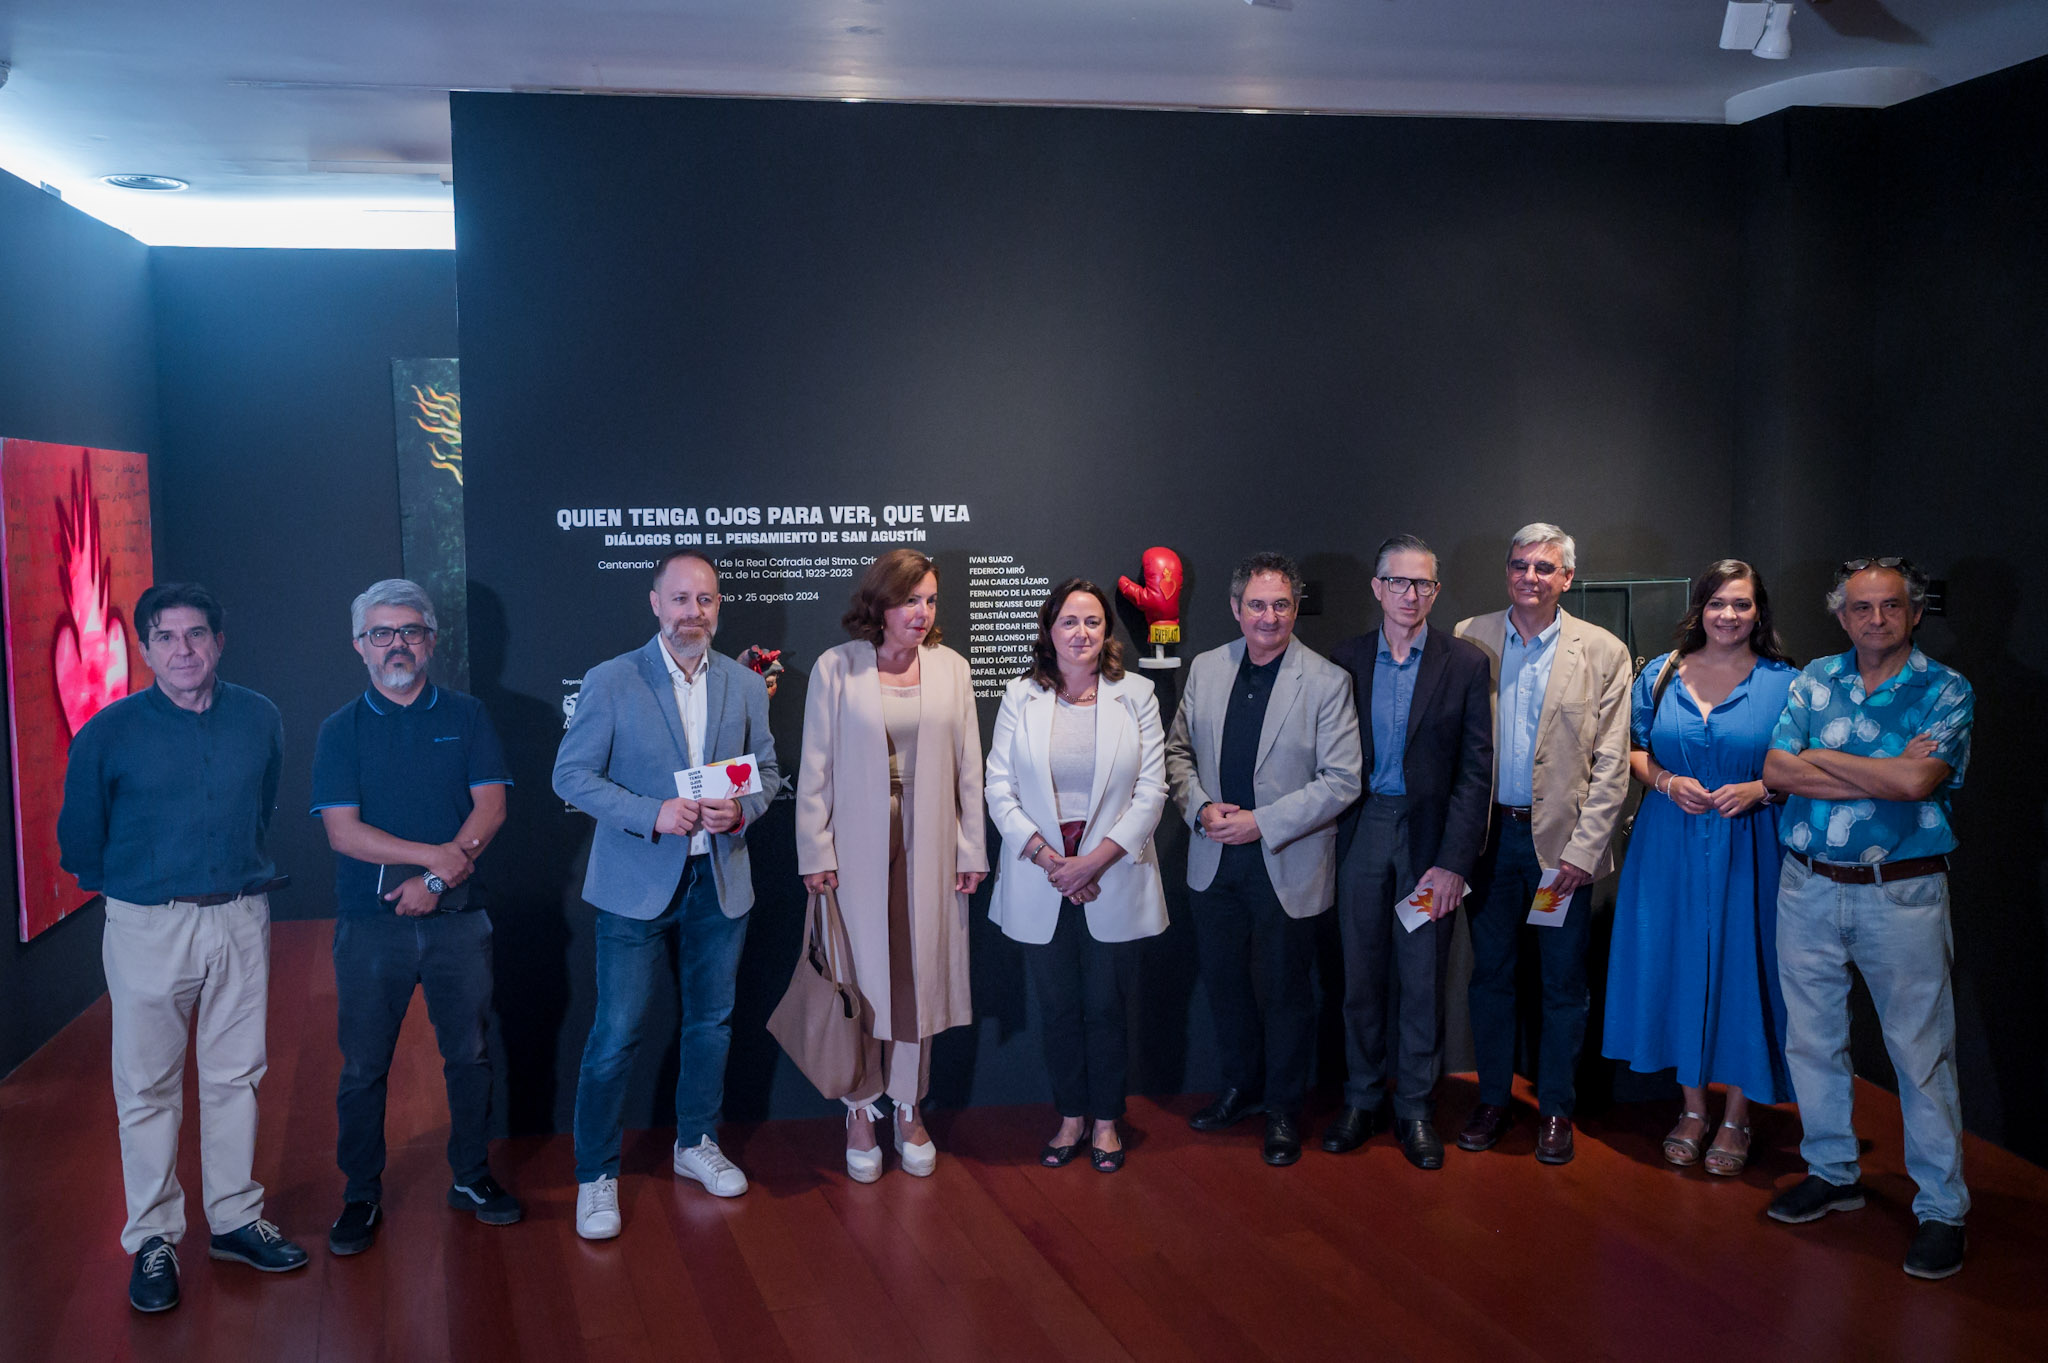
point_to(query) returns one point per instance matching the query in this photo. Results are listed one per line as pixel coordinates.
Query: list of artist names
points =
(1003, 596)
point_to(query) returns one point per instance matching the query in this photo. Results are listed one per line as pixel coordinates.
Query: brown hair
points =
(1691, 634)
(887, 584)
(1045, 666)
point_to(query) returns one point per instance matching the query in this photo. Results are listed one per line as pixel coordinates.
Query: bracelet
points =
(1662, 784)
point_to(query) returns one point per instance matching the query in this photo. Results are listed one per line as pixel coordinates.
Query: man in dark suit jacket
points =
(1425, 719)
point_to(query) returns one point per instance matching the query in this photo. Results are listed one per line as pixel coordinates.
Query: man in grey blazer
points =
(1263, 759)
(663, 866)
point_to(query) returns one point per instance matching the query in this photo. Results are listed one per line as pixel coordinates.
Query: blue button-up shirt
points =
(1393, 695)
(1524, 677)
(165, 803)
(1828, 708)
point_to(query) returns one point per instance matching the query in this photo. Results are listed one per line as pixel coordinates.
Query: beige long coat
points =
(842, 823)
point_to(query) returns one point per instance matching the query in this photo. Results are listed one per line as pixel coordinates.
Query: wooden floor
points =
(1196, 1251)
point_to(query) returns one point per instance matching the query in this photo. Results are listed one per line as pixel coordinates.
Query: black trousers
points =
(1393, 978)
(1258, 966)
(1082, 985)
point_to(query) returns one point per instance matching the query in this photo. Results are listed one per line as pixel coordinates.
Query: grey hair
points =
(1915, 580)
(392, 591)
(1266, 561)
(1401, 544)
(1543, 532)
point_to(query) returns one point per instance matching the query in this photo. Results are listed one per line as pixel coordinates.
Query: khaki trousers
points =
(165, 963)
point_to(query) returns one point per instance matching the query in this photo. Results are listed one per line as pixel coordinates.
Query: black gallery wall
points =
(1102, 330)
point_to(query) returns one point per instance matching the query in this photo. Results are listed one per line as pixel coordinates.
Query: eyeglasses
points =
(1849, 567)
(1537, 566)
(1424, 587)
(382, 635)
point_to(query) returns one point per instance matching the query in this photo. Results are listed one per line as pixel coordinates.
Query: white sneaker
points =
(706, 1163)
(919, 1158)
(597, 1209)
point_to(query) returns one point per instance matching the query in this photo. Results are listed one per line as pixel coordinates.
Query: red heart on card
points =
(737, 773)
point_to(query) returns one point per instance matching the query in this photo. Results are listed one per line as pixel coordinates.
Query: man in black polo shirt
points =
(167, 795)
(409, 781)
(1263, 758)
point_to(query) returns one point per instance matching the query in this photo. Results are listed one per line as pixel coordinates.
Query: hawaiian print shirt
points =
(1828, 708)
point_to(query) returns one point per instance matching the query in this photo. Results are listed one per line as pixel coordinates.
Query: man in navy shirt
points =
(409, 781)
(167, 795)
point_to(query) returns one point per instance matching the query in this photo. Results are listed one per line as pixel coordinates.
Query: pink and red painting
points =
(76, 553)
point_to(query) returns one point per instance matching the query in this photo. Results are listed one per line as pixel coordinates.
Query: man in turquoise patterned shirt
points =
(1870, 746)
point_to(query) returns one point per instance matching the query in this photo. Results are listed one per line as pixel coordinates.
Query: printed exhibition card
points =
(76, 551)
(1413, 911)
(727, 780)
(1548, 908)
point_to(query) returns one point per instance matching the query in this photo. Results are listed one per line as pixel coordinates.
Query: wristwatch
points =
(435, 885)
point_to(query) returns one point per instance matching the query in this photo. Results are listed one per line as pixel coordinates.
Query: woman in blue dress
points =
(1692, 981)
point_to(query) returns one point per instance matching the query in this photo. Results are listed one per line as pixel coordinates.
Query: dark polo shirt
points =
(1238, 761)
(165, 803)
(407, 770)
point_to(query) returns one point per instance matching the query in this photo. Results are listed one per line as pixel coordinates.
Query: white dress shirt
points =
(693, 709)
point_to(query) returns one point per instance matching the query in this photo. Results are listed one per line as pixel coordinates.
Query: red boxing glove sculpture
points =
(1159, 598)
(766, 661)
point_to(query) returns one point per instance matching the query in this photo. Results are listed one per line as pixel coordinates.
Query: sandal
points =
(1729, 1163)
(1053, 1156)
(1106, 1161)
(1684, 1151)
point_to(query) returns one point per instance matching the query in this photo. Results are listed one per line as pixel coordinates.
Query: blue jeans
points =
(1897, 936)
(1506, 881)
(631, 953)
(378, 958)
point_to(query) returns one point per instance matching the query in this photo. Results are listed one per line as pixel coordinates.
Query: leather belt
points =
(1519, 813)
(208, 901)
(1880, 873)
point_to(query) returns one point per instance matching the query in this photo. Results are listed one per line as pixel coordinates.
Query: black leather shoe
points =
(1488, 1123)
(1354, 1126)
(1420, 1143)
(1283, 1139)
(260, 1245)
(153, 1282)
(1554, 1140)
(1230, 1108)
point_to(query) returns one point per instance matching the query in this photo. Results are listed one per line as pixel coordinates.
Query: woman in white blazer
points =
(1076, 782)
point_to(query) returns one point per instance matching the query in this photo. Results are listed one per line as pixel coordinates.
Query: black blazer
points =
(1448, 764)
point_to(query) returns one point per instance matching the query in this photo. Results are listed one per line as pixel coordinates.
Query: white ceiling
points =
(326, 124)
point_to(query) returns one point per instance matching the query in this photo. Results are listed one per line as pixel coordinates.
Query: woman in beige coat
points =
(889, 811)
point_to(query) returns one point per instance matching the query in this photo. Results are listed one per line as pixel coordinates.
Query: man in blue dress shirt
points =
(409, 783)
(1560, 776)
(1426, 719)
(167, 795)
(1872, 744)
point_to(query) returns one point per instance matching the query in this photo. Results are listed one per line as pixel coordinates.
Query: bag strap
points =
(827, 928)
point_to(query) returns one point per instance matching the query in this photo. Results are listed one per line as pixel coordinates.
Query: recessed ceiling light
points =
(155, 184)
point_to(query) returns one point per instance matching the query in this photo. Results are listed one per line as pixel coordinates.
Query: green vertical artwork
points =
(428, 398)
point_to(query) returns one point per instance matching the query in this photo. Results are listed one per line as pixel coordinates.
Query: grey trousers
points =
(1393, 978)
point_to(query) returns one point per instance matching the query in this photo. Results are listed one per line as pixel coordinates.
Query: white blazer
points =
(1128, 795)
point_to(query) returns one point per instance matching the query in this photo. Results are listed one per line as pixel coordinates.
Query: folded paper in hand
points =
(1548, 908)
(727, 780)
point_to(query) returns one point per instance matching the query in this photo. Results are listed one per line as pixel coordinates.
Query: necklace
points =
(1083, 699)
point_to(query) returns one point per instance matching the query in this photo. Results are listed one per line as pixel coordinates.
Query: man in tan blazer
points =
(1263, 759)
(1560, 775)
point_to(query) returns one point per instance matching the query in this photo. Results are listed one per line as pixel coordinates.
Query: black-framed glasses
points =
(1424, 587)
(1535, 565)
(382, 635)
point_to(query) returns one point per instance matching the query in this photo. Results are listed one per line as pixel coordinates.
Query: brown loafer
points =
(1554, 1141)
(1488, 1123)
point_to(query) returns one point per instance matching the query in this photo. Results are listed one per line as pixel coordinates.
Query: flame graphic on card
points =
(1546, 901)
(1548, 908)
